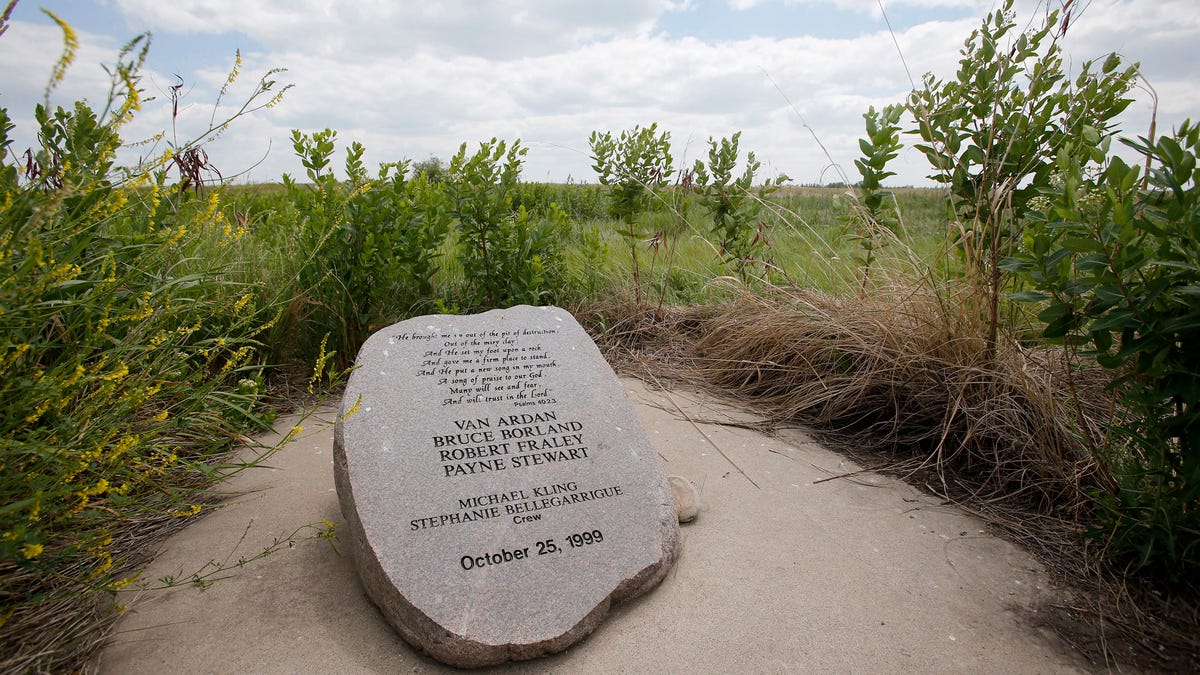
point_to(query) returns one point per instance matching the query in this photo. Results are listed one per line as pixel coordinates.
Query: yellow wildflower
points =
(237, 306)
(237, 69)
(236, 359)
(70, 44)
(353, 409)
(121, 583)
(124, 445)
(31, 551)
(106, 563)
(100, 487)
(17, 352)
(266, 326)
(118, 374)
(214, 200)
(155, 196)
(176, 236)
(319, 367)
(188, 512)
(79, 506)
(117, 202)
(108, 267)
(37, 412)
(74, 377)
(291, 435)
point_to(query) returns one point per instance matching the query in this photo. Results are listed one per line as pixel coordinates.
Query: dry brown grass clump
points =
(895, 375)
(904, 375)
(903, 380)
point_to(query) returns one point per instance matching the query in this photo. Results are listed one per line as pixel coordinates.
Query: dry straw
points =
(902, 373)
(901, 378)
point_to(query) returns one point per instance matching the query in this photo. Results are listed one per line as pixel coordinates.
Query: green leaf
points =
(1029, 296)
(1055, 312)
(1017, 264)
(1117, 319)
(1059, 327)
(1081, 245)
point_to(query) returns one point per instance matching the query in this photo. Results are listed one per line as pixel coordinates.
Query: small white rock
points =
(687, 499)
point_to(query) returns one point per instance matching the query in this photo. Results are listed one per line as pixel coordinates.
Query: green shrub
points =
(735, 210)
(992, 132)
(877, 225)
(509, 255)
(632, 166)
(128, 368)
(1114, 258)
(579, 202)
(371, 245)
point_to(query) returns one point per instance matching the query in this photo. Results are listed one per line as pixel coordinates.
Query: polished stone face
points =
(499, 491)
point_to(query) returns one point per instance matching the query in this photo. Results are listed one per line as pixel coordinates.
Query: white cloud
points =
(869, 7)
(30, 50)
(423, 85)
(415, 105)
(358, 30)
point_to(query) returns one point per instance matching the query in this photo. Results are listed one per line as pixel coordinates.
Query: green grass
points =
(812, 234)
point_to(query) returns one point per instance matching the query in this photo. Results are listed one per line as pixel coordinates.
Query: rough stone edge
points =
(453, 649)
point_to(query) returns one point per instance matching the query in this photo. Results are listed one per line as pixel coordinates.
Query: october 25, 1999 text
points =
(574, 540)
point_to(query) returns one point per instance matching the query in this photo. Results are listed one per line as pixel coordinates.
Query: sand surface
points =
(779, 573)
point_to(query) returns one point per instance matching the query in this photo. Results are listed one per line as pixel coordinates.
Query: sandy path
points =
(863, 575)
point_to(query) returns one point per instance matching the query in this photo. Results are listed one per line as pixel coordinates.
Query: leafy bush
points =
(632, 166)
(509, 255)
(881, 146)
(991, 133)
(1114, 257)
(371, 243)
(735, 210)
(127, 368)
(1109, 253)
(580, 202)
(433, 168)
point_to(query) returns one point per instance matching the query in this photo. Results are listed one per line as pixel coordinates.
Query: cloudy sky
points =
(415, 79)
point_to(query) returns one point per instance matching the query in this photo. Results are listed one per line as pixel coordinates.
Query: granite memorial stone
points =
(498, 489)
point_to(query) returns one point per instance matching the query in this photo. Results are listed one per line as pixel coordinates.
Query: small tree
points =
(507, 254)
(632, 166)
(881, 145)
(1113, 258)
(992, 133)
(432, 168)
(734, 208)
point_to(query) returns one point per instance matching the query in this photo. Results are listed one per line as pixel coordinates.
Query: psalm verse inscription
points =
(487, 366)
